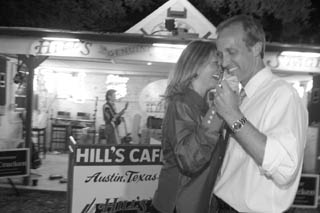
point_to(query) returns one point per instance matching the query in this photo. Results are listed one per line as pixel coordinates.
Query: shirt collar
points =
(258, 80)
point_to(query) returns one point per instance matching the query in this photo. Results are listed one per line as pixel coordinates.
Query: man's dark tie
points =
(242, 94)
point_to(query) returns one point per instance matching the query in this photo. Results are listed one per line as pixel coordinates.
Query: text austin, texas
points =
(128, 177)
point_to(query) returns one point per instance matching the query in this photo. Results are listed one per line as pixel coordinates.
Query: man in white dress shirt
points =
(263, 161)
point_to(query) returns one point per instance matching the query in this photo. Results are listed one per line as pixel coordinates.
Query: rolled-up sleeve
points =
(286, 129)
(194, 142)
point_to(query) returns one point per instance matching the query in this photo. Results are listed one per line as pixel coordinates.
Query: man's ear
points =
(257, 48)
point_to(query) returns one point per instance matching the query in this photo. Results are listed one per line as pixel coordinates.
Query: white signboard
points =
(110, 179)
(103, 50)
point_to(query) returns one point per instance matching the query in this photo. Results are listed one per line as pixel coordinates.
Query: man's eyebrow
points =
(230, 49)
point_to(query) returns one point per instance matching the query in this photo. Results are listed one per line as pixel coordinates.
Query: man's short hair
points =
(253, 30)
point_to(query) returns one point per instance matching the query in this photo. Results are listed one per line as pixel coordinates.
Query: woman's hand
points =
(212, 120)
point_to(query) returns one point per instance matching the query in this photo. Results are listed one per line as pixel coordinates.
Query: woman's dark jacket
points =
(192, 156)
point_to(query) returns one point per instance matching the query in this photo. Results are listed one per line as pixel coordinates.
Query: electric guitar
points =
(117, 117)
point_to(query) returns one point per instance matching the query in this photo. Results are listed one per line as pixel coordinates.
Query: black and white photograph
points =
(160, 106)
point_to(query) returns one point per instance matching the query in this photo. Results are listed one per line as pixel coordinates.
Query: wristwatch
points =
(238, 124)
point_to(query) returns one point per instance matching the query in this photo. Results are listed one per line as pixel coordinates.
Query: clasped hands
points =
(226, 101)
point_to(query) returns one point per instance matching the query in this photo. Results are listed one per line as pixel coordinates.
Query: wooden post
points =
(31, 62)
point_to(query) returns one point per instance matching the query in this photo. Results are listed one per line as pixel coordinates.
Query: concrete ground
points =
(54, 163)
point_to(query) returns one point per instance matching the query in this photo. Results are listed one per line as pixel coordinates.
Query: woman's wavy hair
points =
(193, 58)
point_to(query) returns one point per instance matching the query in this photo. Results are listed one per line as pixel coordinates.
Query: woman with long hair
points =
(192, 143)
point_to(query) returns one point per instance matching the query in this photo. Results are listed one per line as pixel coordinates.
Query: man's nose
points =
(225, 61)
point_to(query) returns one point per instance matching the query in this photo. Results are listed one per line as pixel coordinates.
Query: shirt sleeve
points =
(285, 127)
(195, 141)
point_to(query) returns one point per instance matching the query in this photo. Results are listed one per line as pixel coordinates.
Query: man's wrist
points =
(231, 117)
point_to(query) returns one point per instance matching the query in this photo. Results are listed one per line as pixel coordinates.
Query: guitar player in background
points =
(112, 118)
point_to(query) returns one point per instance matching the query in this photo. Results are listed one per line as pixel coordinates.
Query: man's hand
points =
(226, 102)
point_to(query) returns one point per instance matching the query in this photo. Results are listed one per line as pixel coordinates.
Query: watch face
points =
(237, 125)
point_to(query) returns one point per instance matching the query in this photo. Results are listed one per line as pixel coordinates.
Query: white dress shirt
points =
(274, 108)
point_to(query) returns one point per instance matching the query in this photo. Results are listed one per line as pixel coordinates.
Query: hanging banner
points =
(110, 179)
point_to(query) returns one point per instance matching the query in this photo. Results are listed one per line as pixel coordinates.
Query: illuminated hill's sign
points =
(280, 62)
(111, 51)
(135, 51)
(61, 47)
(299, 62)
(75, 47)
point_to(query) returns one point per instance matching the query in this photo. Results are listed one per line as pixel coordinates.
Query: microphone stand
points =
(95, 119)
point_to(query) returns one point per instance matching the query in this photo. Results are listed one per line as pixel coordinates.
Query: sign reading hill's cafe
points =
(110, 179)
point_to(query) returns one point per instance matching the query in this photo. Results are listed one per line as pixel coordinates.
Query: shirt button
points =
(209, 121)
(210, 116)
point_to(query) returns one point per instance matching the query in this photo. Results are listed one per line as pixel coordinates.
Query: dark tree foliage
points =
(283, 20)
(88, 15)
(289, 21)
